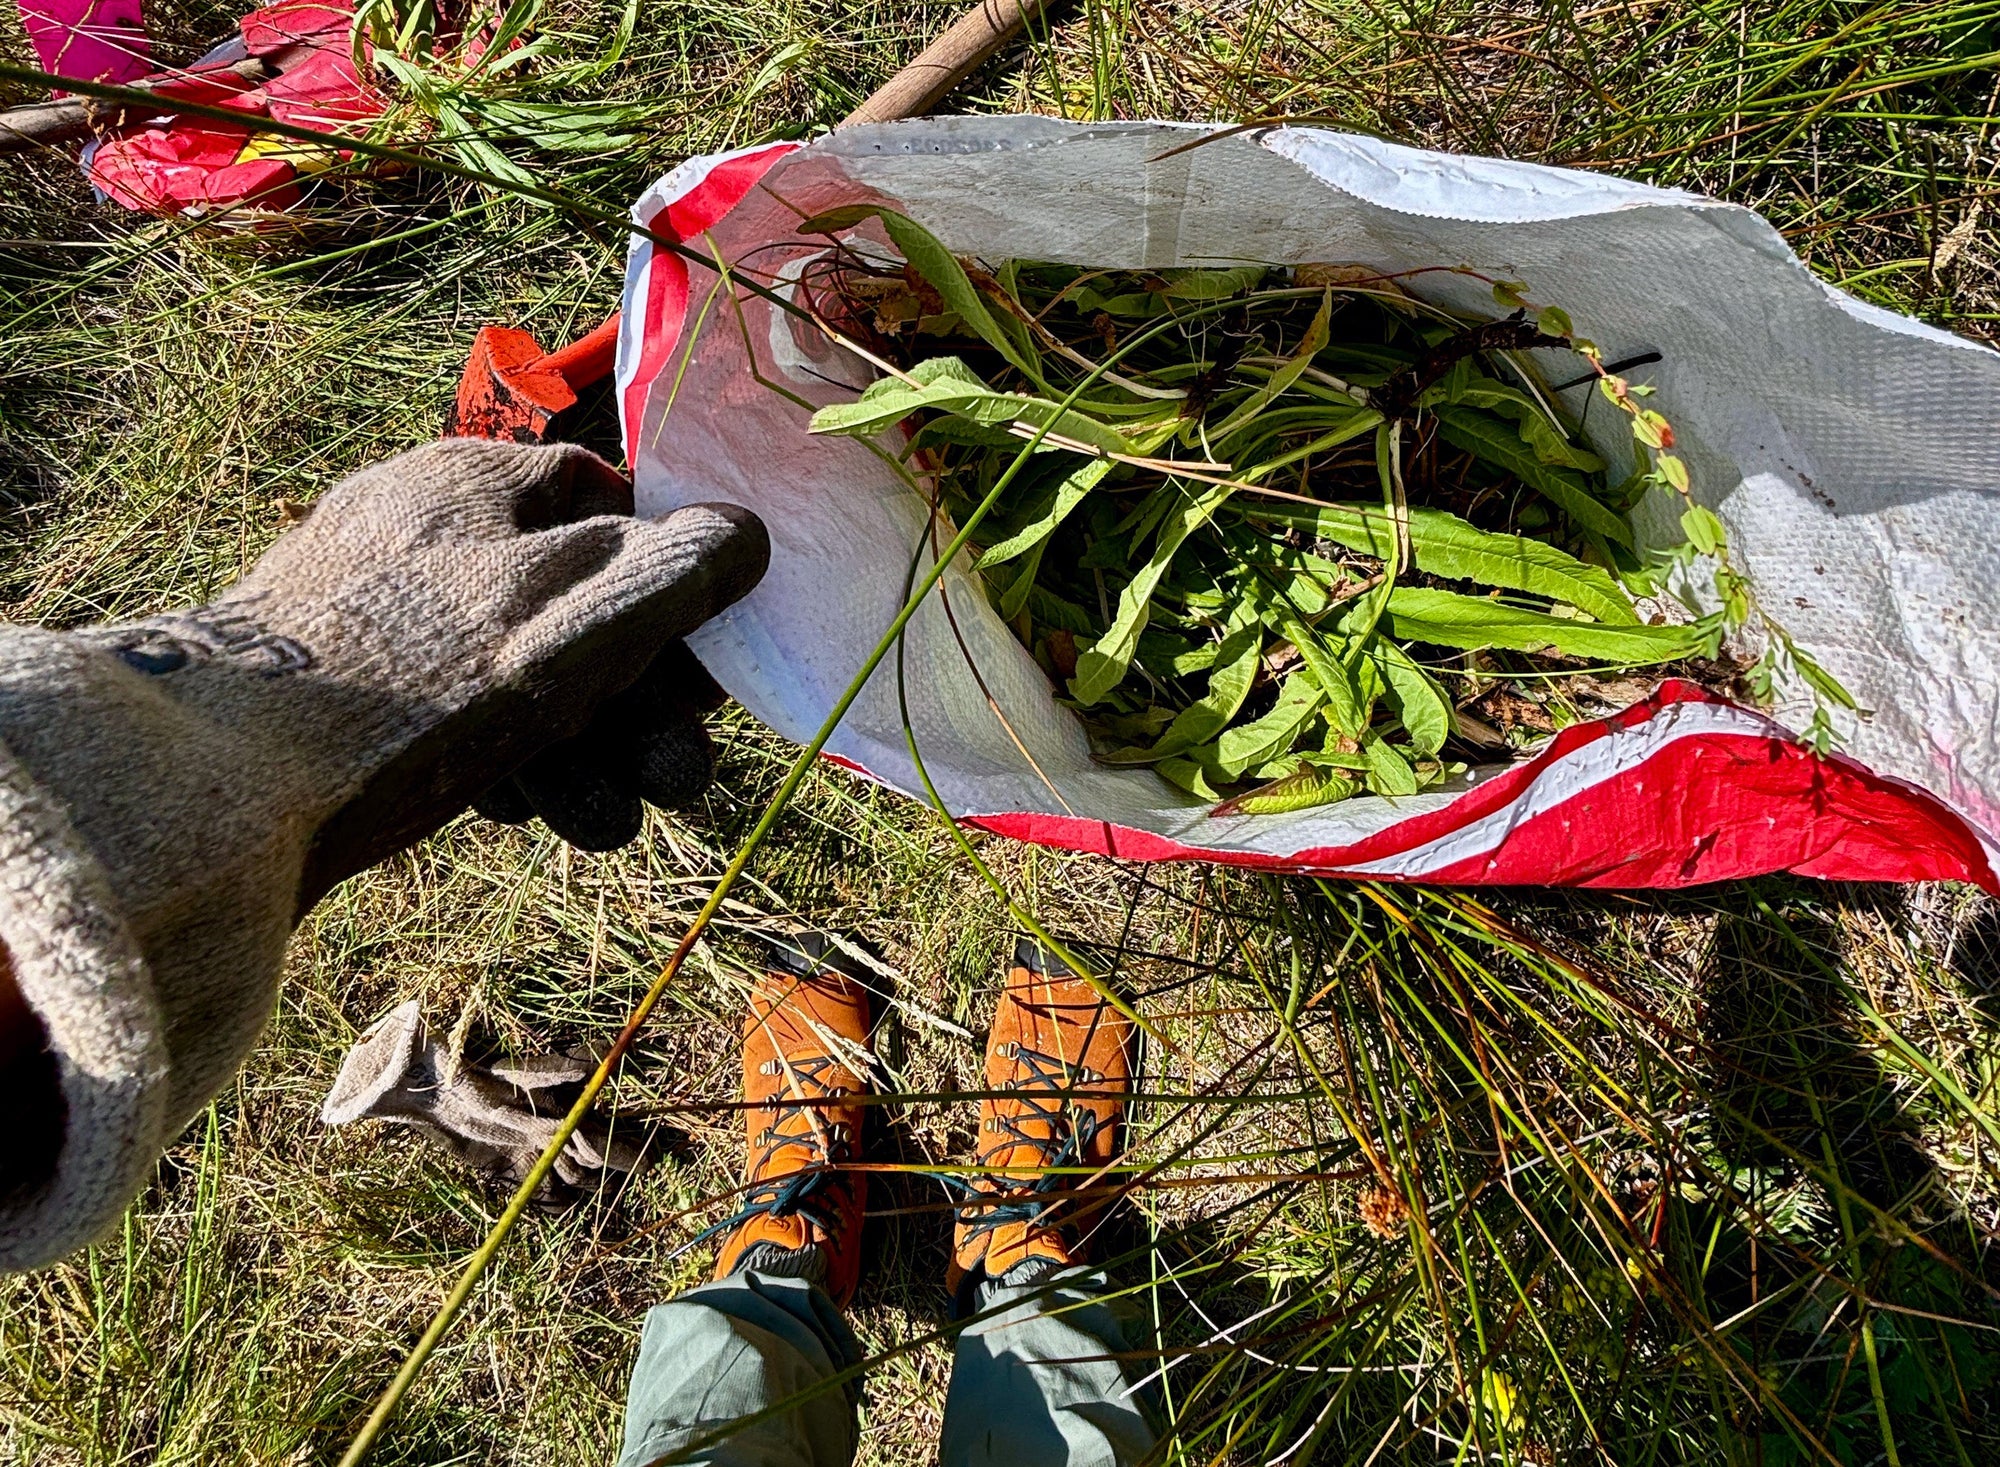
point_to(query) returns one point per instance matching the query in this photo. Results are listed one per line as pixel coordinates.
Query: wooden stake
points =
(965, 46)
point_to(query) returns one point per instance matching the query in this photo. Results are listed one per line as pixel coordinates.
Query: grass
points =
(1527, 1177)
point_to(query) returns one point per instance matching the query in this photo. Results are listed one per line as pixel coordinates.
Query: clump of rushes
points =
(1306, 535)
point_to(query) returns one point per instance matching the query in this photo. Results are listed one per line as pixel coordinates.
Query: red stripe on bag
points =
(664, 275)
(1681, 789)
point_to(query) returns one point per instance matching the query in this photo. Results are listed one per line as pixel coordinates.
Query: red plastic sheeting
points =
(196, 165)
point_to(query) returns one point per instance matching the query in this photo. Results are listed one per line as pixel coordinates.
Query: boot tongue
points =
(1017, 1245)
(777, 1261)
(1031, 1271)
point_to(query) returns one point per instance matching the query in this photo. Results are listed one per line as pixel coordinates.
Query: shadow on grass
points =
(1861, 1295)
(1791, 1074)
(1973, 958)
(1816, 1205)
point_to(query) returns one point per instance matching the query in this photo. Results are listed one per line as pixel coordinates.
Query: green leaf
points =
(1214, 285)
(1389, 773)
(1103, 666)
(1550, 443)
(1008, 278)
(1351, 424)
(1140, 306)
(1069, 495)
(1109, 552)
(1144, 516)
(961, 432)
(1554, 321)
(1298, 577)
(1674, 471)
(1167, 654)
(1483, 436)
(1189, 775)
(1179, 285)
(1199, 660)
(1282, 379)
(1051, 610)
(1822, 682)
(1703, 530)
(1416, 697)
(938, 265)
(1418, 614)
(1551, 447)
(1442, 544)
(1310, 785)
(1228, 685)
(628, 22)
(1016, 594)
(1347, 709)
(833, 221)
(941, 268)
(1039, 412)
(554, 126)
(947, 384)
(1334, 757)
(1250, 744)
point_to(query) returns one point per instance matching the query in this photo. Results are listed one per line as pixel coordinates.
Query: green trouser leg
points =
(1022, 1392)
(1026, 1390)
(730, 1350)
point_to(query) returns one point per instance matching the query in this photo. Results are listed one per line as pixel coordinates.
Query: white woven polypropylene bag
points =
(1850, 451)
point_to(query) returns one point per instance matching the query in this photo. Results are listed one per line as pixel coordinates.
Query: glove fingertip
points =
(505, 803)
(676, 764)
(580, 802)
(733, 548)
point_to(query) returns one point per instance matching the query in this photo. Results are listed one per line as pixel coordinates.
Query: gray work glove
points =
(176, 792)
(496, 1118)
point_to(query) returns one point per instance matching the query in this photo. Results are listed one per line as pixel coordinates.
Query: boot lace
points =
(811, 1189)
(1059, 1132)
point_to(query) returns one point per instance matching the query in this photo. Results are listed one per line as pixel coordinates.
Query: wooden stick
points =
(41, 123)
(966, 45)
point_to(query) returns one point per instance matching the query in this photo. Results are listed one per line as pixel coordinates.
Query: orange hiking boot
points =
(1052, 1036)
(805, 1050)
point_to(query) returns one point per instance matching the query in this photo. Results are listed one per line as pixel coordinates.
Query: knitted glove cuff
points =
(80, 969)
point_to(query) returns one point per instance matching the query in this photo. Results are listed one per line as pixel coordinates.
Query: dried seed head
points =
(1384, 1210)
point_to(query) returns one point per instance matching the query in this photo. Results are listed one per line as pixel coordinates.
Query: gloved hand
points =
(527, 621)
(176, 792)
(647, 742)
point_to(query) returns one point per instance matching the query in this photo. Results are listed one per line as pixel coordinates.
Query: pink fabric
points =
(91, 40)
(322, 91)
(274, 27)
(319, 87)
